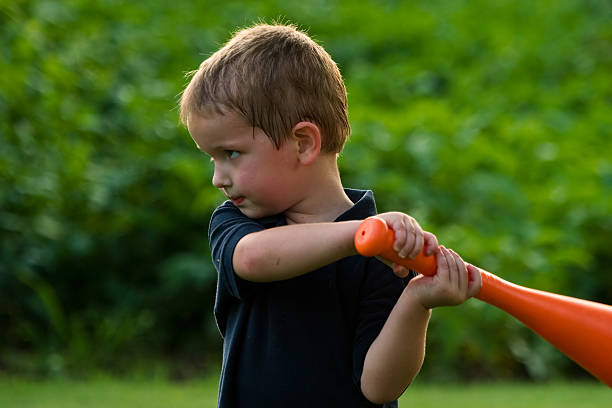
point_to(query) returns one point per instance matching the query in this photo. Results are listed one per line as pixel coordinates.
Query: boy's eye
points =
(232, 154)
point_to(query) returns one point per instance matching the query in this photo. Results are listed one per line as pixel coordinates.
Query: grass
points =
(509, 395)
(106, 392)
(116, 393)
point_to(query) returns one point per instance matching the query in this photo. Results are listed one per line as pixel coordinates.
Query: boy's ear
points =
(308, 141)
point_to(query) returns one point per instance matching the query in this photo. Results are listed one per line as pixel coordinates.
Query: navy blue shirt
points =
(300, 342)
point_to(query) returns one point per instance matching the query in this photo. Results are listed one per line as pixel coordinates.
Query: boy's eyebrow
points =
(224, 145)
(218, 148)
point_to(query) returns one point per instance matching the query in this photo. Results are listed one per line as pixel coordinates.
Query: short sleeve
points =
(228, 226)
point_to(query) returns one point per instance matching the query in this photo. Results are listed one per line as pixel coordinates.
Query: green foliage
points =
(490, 122)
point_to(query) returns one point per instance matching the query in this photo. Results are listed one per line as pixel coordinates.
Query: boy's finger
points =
(452, 268)
(462, 273)
(442, 272)
(408, 244)
(418, 242)
(420, 239)
(431, 243)
(400, 270)
(399, 229)
(475, 281)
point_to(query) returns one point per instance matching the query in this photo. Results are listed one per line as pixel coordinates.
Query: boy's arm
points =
(396, 356)
(285, 252)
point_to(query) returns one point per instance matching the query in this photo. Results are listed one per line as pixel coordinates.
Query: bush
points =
(490, 122)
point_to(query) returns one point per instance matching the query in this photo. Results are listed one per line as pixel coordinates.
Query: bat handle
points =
(374, 238)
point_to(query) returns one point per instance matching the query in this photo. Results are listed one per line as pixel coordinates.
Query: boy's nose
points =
(220, 178)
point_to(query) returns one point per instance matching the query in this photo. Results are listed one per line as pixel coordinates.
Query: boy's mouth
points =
(237, 200)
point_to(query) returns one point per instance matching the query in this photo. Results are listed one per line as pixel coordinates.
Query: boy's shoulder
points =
(228, 212)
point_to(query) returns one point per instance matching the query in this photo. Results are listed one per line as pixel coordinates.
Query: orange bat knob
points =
(374, 238)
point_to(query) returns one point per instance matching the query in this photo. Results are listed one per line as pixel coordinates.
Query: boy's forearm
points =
(397, 354)
(289, 251)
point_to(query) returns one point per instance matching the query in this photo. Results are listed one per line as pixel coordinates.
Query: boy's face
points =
(258, 178)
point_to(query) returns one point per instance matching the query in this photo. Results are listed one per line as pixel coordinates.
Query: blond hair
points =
(275, 76)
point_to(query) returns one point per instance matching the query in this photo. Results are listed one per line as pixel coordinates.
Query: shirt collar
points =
(363, 207)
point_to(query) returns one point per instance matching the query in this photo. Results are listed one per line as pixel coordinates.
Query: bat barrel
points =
(580, 329)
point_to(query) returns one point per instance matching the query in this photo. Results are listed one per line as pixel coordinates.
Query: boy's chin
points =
(255, 212)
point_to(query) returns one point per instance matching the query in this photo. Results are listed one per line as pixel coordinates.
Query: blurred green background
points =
(489, 121)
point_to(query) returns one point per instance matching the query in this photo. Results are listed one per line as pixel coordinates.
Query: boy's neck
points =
(324, 198)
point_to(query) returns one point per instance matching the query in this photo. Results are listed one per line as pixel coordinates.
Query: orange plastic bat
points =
(580, 329)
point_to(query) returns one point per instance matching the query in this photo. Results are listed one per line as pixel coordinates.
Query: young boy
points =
(306, 322)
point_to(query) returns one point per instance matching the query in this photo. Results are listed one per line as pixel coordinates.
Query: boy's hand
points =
(453, 283)
(410, 239)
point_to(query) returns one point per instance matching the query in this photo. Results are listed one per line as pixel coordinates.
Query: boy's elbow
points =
(245, 265)
(249, 263)
(382, 392)
(380, 395)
